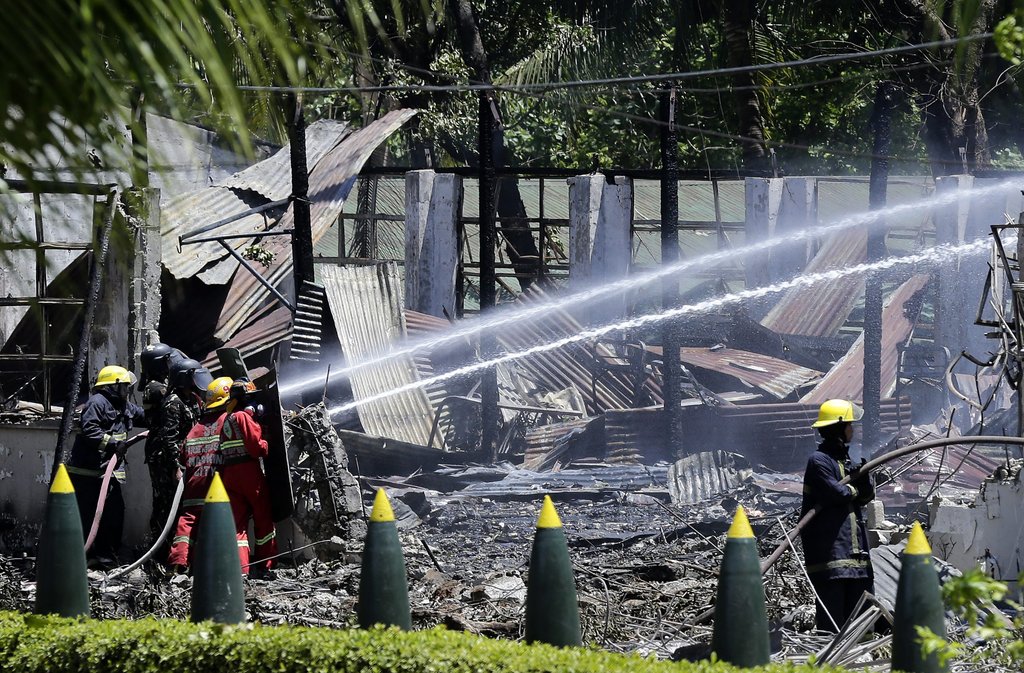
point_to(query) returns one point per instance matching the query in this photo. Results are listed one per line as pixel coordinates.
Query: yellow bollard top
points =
(381, 508)
(217, 492)
(740, 527)
(548, 516)
(918, 543)
(62, 482)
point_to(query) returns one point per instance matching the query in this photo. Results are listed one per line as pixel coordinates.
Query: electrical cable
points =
(614, 81)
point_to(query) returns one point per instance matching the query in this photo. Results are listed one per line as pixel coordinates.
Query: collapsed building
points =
(379, 361)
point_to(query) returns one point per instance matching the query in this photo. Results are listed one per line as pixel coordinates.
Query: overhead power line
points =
(623, 81)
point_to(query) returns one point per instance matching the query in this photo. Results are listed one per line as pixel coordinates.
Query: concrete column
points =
(432, 205)
(798, 210)
(600, 248)
(142, 206)
(128, 313)
(108, 339)
(762, 199)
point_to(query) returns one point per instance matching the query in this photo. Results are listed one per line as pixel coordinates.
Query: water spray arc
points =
(934, 255)
(637, 281)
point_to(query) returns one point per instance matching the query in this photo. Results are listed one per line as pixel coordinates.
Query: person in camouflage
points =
(178, 412)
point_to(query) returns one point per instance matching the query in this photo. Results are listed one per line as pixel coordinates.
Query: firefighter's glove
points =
(116, 448)
(256, 411)
(864, 484)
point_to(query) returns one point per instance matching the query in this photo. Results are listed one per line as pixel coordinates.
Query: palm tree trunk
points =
(739, 35)
(520, 245)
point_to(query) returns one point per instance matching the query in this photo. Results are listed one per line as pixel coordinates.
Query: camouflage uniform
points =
(175, 417)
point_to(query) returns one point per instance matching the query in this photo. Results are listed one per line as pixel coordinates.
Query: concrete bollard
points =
(62, 585)
(383, 587)
(918, 603)
(552, 611)
(217, 593)
(740, 634)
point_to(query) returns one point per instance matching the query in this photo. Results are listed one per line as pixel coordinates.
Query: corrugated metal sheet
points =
(262, 332)
(272, 178)
(846, 379)
(383, 457)
(266, 181)
(958, 468)
(777, 377)
(572, 438)
(822, 309)
(190, 211)
(887, 560)
(573, 483)
(330, 182)
(777, 435)
(571, 365)
(706, 474)
(366, 302)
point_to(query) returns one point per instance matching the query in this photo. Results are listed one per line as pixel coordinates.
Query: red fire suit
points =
(200, 456)
(241, 447)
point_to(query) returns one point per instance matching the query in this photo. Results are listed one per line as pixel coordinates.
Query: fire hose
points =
(102, 499)
(790, 536)
(172, 517)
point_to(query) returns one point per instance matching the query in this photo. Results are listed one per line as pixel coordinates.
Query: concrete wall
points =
(960, 533)
(432, 205)
(600, 252)
(26, 458)
(182, 158)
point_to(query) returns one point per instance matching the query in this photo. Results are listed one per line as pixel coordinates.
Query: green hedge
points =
(52, 645)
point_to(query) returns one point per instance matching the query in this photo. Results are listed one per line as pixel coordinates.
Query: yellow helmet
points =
(837, 411)
(112, 374)
(218, 392)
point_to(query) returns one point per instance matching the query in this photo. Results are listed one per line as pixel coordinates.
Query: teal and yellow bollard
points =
(383, 587)
(918, 603)
(552, 610)
(741, 626)
(216, 569)
(62, 586)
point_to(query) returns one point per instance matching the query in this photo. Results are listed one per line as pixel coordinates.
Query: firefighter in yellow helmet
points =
(230, 440)
(199, 458)
(242, 448)
(107, 417)
(835, 541)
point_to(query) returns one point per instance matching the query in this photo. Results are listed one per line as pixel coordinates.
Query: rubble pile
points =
(644, 571)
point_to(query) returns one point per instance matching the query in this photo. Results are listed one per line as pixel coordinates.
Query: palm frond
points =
(71, 65)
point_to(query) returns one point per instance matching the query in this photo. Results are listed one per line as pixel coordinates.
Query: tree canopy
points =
(75, 70)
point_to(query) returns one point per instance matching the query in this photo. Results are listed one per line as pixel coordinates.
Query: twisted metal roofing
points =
(261, 183)
(330, 182)
(366, 303)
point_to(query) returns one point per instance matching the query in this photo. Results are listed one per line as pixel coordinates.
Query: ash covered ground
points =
(644, 571)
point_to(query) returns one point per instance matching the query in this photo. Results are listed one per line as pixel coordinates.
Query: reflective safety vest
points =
(200, 456)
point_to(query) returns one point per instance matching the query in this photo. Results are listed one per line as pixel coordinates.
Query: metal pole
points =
(1018, 321)
(302, 239)
(670, 343)
(884, 104)
(99, 262)
(488, 297)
